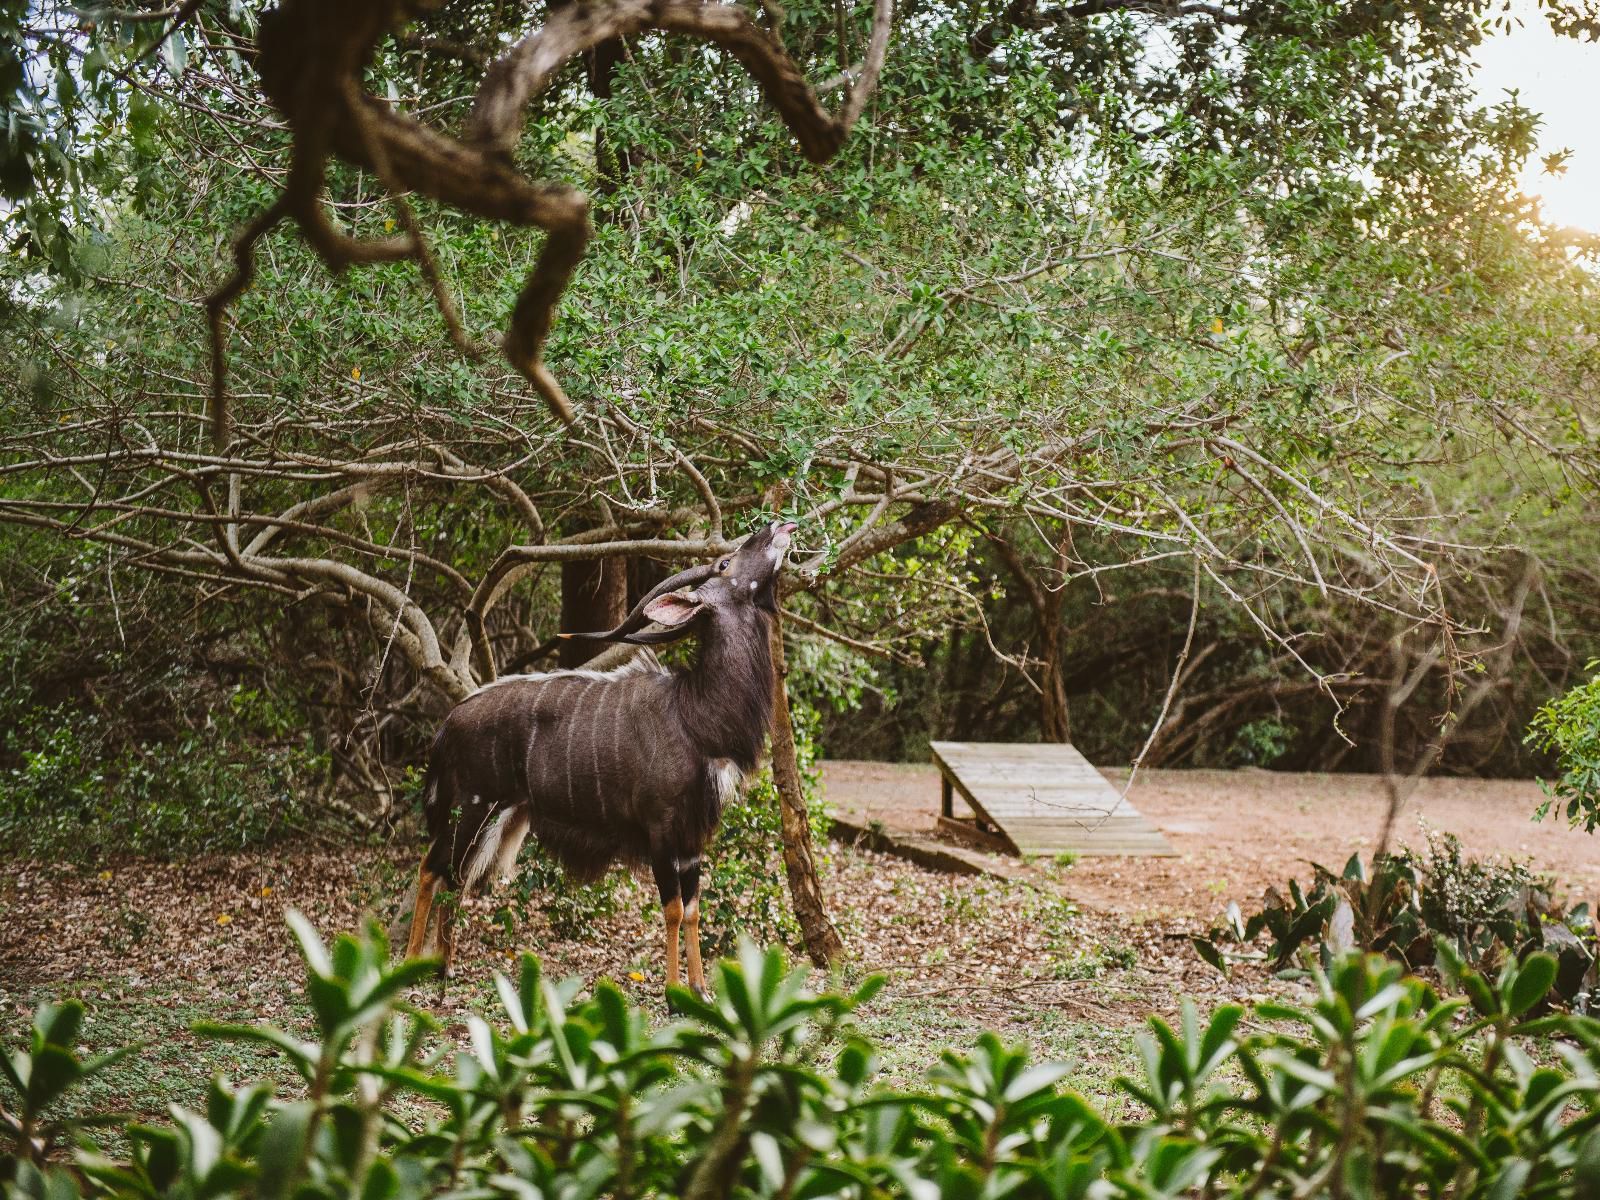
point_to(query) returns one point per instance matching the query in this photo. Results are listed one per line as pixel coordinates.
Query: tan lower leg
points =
(427, 881)
(672, 912)
(691, 930)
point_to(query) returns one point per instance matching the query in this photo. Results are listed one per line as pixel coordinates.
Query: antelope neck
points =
(727, 694)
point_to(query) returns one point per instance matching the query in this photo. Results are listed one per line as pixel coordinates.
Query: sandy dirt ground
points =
(152, 947)
(1238, 831)
(1070, 958)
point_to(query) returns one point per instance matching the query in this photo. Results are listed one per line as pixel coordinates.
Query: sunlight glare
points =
(1559, 78)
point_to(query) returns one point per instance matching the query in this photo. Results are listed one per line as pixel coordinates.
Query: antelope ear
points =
(672, 609)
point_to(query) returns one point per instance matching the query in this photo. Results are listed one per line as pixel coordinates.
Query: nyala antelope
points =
(632, 765)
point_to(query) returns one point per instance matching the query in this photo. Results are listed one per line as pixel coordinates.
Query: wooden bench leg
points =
(946, 796)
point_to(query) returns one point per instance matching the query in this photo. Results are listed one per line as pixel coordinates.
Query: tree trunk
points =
(594, 596)
(613, 163)
(1055, 717)
(822, 941)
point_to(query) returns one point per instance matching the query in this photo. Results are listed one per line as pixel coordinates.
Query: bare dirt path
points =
(1238, 831)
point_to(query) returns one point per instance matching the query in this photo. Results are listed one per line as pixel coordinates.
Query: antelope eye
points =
(724, 565)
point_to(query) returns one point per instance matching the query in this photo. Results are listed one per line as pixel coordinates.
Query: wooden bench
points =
(1038, 799)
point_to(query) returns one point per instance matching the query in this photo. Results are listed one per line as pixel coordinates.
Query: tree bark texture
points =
(822, 942)
(1055, 714)
(594, 597)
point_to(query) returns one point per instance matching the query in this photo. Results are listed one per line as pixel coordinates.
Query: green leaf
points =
(1508, 1179)
(1530, 984)
(1586, 1168)
(311, 945)
(175, 52)
(1478, 991)
(54, 1071)
(283, 1149)
(58, 1024)
(1208, 952)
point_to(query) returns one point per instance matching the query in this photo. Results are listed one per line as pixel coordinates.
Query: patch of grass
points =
(910, 1034)
(912, 1031)
(173, 1065)
(1095, 962)
(1097, 1052)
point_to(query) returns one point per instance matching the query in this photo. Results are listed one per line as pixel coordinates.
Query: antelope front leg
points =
(666, 873)
(689, 888)
(672, 910)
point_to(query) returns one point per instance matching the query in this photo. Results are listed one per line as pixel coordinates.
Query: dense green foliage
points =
(1235, 318)
(240, 777)
(1375, 1086)
(1569, 727)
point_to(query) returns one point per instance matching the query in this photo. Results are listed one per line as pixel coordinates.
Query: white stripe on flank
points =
(572, 728)
(530, 762)
(633, 796)
(616, 737)
(594, 750)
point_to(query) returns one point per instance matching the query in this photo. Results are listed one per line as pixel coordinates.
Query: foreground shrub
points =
(1406, 906)
(1376, 1087)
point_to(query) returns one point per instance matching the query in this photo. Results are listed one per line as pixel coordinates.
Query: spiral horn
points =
(628, 631)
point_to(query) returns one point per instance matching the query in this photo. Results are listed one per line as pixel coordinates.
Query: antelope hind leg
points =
(447, 936)
(427, 883)
(672, 911)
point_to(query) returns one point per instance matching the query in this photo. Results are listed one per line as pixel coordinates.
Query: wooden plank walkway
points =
(1043, 799)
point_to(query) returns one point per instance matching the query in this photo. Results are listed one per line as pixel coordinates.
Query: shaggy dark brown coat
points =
(632, 765)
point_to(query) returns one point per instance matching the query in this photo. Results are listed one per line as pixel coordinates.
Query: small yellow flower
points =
(355, 372)
(1216, 324)
(388, 224)
(266, 891)
(223, 918)
(636, 976)
(105, 874)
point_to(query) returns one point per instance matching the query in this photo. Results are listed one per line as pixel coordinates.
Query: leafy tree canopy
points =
(1241, 291)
